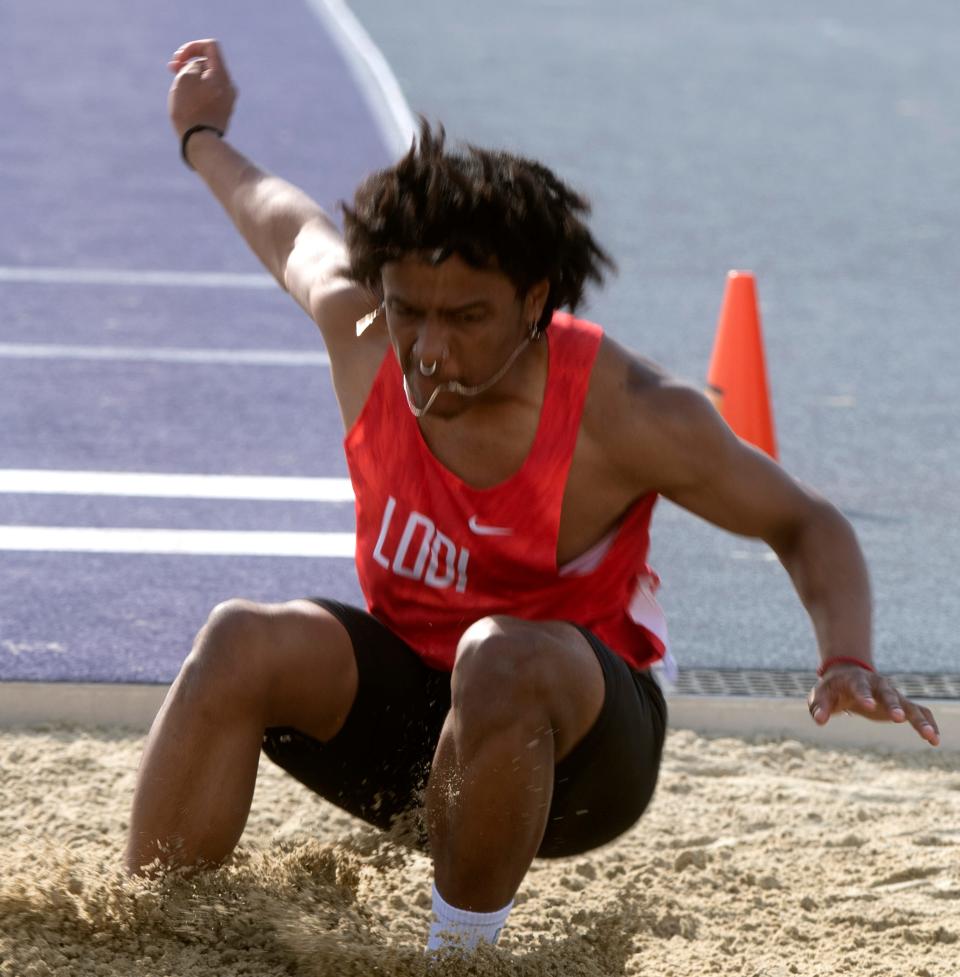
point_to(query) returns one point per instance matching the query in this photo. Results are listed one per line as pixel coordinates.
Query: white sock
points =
(453, 927)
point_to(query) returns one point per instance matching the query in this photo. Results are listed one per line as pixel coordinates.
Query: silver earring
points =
(428, 372)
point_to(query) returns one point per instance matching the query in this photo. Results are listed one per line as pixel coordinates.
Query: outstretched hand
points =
(849, 688)
(202, 92)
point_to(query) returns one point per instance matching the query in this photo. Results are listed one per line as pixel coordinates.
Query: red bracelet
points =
(843, 660)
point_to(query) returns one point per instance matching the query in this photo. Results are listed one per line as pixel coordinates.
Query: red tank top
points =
(435, 554)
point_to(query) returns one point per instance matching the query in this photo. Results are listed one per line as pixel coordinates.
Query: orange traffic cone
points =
(737, 378)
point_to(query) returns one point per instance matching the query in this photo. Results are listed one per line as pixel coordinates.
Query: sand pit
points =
(763, 859)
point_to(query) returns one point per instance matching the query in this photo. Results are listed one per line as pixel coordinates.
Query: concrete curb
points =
(79, 703)
(26, 704)
(742, 716)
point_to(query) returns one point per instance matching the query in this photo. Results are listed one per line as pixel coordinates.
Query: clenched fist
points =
(202, 92)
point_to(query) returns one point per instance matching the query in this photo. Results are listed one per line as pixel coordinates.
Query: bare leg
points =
(518, 706)
(252, 666)
(487, 804)
(195, 784)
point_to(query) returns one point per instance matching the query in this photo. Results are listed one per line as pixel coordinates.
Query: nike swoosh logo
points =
(475, 527)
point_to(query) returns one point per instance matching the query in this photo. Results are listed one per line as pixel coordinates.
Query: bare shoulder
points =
(354, 360)
(657, 433)
(316, 275)
(621, 376)
(653, 426)
(335, 303)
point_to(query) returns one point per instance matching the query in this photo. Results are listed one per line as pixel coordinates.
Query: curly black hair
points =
(490, 208)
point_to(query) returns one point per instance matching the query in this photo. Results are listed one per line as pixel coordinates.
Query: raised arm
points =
(287, 230)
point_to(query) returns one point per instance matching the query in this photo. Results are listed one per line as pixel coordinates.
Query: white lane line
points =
(372, 73)
(192, 542)
(20, 481)
(117, 276)
(161, 354)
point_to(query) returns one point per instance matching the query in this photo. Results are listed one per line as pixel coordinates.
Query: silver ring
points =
(428, 372)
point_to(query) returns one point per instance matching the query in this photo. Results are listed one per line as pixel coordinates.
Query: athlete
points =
(505, 458)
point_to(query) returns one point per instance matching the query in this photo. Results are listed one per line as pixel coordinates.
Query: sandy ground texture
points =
(756, 858)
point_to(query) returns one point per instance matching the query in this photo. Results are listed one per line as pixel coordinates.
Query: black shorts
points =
(377, 766)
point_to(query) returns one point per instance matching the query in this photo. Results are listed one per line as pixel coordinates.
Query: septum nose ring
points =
(428, 371)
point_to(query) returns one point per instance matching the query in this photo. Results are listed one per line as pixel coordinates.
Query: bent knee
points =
(498, 658)
(228, 648)
(234, 614)
(233, 624)
(291, 663)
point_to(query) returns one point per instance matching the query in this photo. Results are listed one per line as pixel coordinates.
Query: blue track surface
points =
(818, 146)
(92, 175)
(171, 418)
(93, 181)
